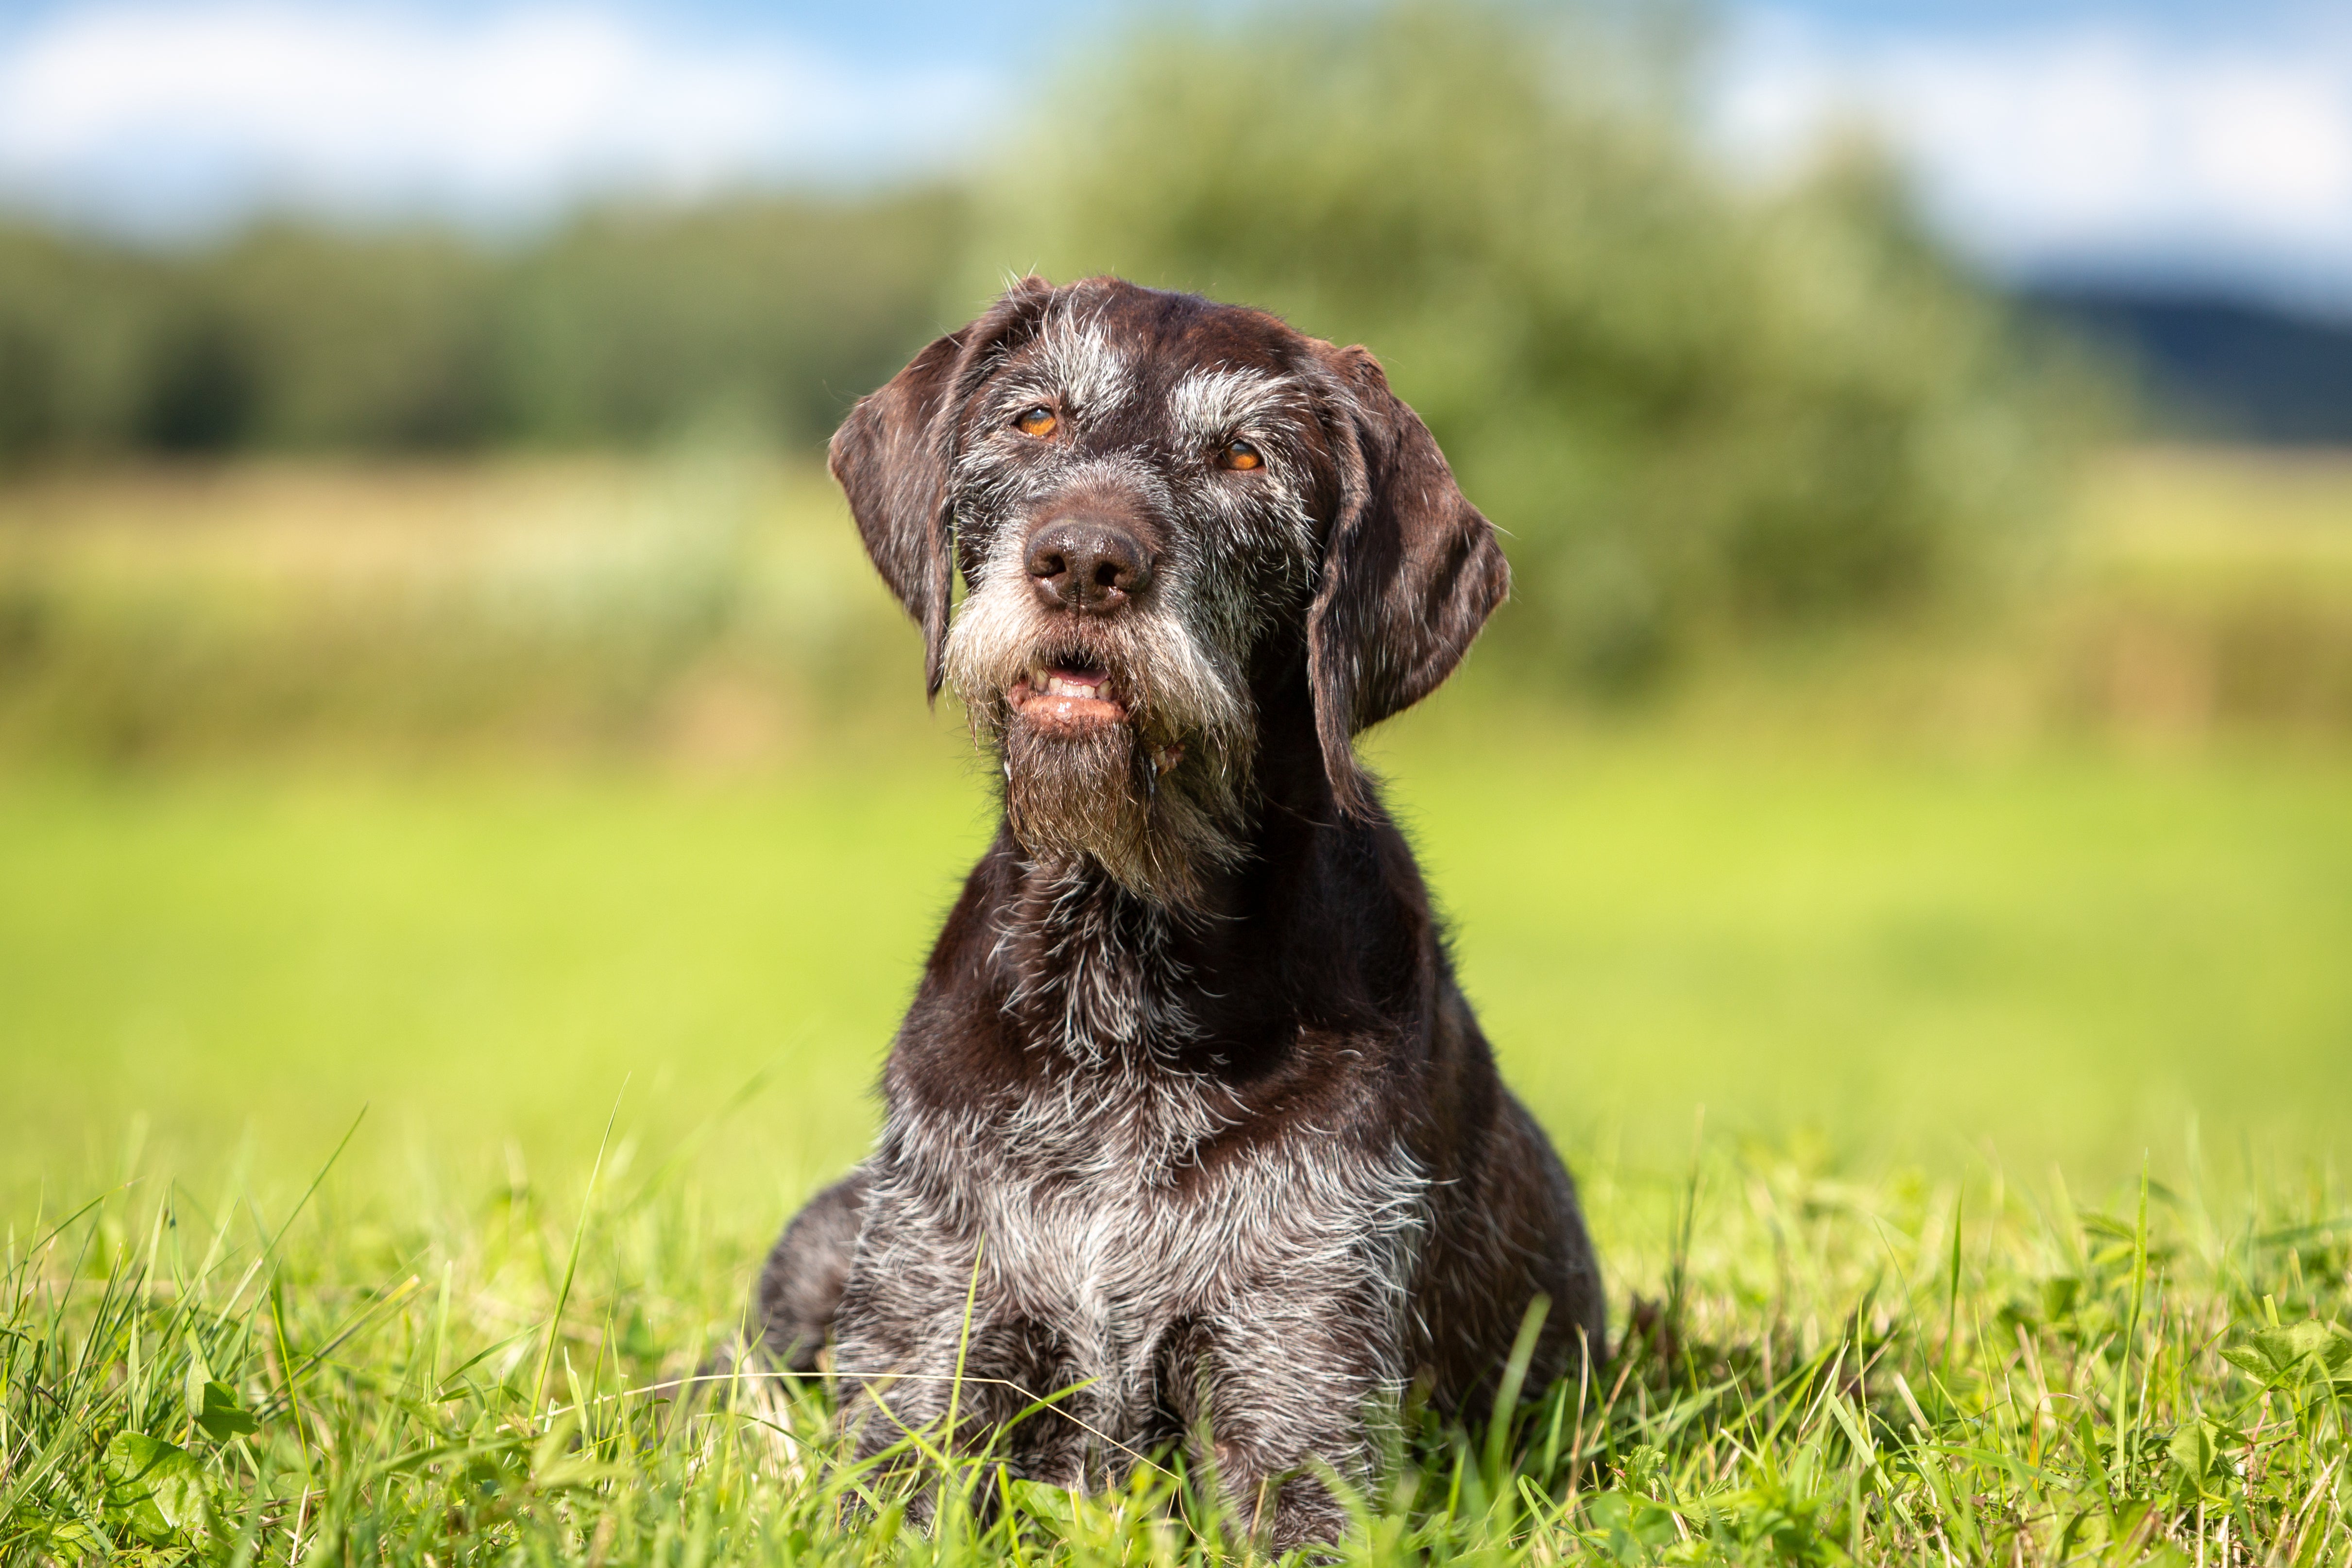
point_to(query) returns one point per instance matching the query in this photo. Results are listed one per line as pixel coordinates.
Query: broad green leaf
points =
(1635, 1526)
(159, 1487)
(72, 1535)
(2318, 1348)
(1042, 1501)
(2193, 1448)
(2250, 1361)
(220, 1416)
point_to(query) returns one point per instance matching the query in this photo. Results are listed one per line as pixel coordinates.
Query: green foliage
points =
(779, 313)
(1698, 408)
(296, 337)
(621, 325)
(1822, 1370)
(1694, 408)
(81, 327)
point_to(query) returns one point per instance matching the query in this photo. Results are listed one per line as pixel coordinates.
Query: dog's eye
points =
(1039, 421)
(1239, 455)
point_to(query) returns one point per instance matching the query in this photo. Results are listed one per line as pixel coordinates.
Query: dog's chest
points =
(1106, 1211)
(1109, 1216)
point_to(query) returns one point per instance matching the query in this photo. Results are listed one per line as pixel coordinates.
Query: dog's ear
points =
(1411, 570)
(893, 454)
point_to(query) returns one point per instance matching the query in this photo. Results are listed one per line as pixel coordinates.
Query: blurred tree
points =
(28, 397)
(83, 331)
(203, 388)
(779, 313)
(622, 326)
(361, 340)
(1694, 406)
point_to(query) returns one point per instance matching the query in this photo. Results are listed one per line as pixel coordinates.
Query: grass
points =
(1955, 1099)
(2056, 957)
(1826, 1370)
(1895, 982)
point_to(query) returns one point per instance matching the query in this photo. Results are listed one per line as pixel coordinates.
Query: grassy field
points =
(1913, 960)
(1960, 1094)
(1828, 1371)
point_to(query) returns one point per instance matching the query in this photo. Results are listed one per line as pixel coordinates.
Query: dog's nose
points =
(1082, 564)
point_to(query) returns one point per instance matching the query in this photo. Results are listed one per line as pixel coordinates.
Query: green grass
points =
(2049, 957)
(480, 962)
(1918, 960)
(1959, 1093)
(1826, 1370)
(1881, 1322)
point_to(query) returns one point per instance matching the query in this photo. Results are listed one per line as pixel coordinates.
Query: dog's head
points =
(1162, 510)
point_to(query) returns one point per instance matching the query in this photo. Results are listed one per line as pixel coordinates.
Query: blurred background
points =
(436, 676)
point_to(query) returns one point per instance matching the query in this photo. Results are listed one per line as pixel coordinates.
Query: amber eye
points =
(1240, 455)
(1039, 421)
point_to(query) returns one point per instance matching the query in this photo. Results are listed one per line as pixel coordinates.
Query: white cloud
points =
(2102, 147)
(2087, 148)
(172, 109)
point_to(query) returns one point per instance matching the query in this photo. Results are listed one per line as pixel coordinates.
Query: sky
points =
(2162, 144)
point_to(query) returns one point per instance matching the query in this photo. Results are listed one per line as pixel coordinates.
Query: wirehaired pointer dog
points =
(1187, 1106)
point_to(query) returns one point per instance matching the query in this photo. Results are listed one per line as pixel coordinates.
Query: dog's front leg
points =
(910, 1379)
(1284, 1391)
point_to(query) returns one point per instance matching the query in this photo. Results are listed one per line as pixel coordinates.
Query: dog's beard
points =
(1103, 794)
(1085, 794)
(1159, 800)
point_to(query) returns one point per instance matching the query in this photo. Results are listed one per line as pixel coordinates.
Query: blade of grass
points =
(572, 1262)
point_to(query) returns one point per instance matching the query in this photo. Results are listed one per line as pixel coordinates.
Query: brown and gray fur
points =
(1188, 1100)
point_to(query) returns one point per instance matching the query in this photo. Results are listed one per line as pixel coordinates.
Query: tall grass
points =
(1814, 1368)
(706, 599)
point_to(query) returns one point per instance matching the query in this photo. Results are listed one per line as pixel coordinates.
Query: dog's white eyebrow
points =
(1080, 358)
(1210, 403)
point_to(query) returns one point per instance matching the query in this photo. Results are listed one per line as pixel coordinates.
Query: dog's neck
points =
(1103, 974)
(1095, 975)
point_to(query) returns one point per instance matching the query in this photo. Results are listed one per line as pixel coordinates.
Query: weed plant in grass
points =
(1818, 1369)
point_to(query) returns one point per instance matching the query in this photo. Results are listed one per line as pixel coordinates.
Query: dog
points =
(1189, 1122)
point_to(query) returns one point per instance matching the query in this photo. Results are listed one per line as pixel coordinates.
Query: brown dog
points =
(1188, 1106)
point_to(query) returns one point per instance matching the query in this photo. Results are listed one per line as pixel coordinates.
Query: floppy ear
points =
(1410, 571)
(894, 453)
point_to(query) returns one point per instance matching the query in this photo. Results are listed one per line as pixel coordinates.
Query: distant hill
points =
(2217, 367)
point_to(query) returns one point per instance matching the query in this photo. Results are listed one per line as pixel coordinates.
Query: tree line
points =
(619, 326)
(1697, 403)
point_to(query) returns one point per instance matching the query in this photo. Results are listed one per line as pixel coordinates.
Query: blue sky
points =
(2163, 142)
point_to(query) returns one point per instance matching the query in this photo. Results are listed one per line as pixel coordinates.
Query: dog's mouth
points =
(1072, 695)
